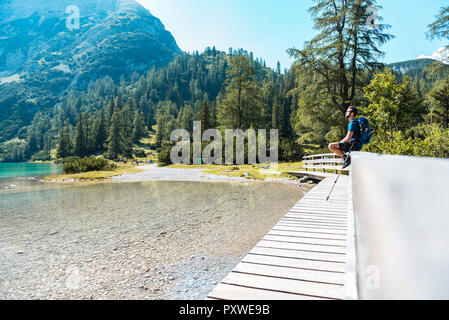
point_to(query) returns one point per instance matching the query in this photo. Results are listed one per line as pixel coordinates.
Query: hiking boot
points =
(347, 162)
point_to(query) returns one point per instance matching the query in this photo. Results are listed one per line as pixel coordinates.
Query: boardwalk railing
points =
(323, 162)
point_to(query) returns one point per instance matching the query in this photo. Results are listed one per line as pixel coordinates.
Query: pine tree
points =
(128, 113)
(138, 127)
(439, 29)
(339, 55)
(110, 110)
(100, 132)
(204, 115)
(80, 138)
(275, 123)
(119, 102)
(64, 145)
(242, 106)
(117, 141)
(32, 145)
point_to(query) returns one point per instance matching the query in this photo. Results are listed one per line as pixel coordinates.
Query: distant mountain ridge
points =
(416, 65)
(441, 55)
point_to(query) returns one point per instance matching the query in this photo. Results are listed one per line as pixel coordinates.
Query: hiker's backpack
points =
(365, 131)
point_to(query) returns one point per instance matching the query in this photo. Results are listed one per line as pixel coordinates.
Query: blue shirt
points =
(355, 127)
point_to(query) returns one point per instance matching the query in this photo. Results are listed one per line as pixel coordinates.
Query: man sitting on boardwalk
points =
(352, 140)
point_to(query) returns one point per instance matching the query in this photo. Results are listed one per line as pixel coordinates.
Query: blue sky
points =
(270, 27)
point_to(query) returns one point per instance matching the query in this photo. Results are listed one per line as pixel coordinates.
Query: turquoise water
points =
(17, 170)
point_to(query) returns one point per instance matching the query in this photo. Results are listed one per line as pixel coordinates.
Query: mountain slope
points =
(422, 73)
(41, 58)
(411, 66)
(114, 37)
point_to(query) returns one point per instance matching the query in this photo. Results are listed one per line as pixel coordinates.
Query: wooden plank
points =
(316, 212)
(324, 214)
(322, 197)
(300, 246)
(296, 254)
(306, 235)
(298, 216)
(318, 209)
(290, 273)
(317, 217)
(313, 222)
(311, 226)
(320, 242)
(233, 292)
(319, 290)
(309, 230)
(317, 227)
(324, 266)
(320, 204)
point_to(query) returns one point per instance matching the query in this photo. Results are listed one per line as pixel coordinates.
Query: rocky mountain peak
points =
(83, 39)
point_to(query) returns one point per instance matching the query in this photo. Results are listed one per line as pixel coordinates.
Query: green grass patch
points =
(119, 170)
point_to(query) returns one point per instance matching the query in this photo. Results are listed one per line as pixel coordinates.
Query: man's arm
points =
(348, 137)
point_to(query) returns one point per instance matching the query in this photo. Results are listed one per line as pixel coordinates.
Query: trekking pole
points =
(341, 171)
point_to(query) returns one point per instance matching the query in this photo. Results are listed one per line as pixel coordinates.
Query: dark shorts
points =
(346, 147)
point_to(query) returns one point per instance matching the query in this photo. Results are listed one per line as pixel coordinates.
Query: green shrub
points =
(163, 156)
(79, 165)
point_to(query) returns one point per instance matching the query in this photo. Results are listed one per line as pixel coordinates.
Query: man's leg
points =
(335, 148)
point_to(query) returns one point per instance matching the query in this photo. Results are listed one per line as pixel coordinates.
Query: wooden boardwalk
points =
(303, 257)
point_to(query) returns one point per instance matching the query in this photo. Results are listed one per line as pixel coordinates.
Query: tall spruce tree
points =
(64, 144)
(439, 29)
(205, 116)
(117, 140)
(138, 127)
(242, 105)
(81, 148)
(110, 110)
(338, 56)
(100, 132)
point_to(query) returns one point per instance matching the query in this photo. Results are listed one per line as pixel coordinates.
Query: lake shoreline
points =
(151, 172)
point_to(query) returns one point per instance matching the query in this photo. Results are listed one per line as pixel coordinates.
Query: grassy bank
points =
(95, 175)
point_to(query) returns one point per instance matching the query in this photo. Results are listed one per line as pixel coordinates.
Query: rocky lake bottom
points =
(131, 240)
